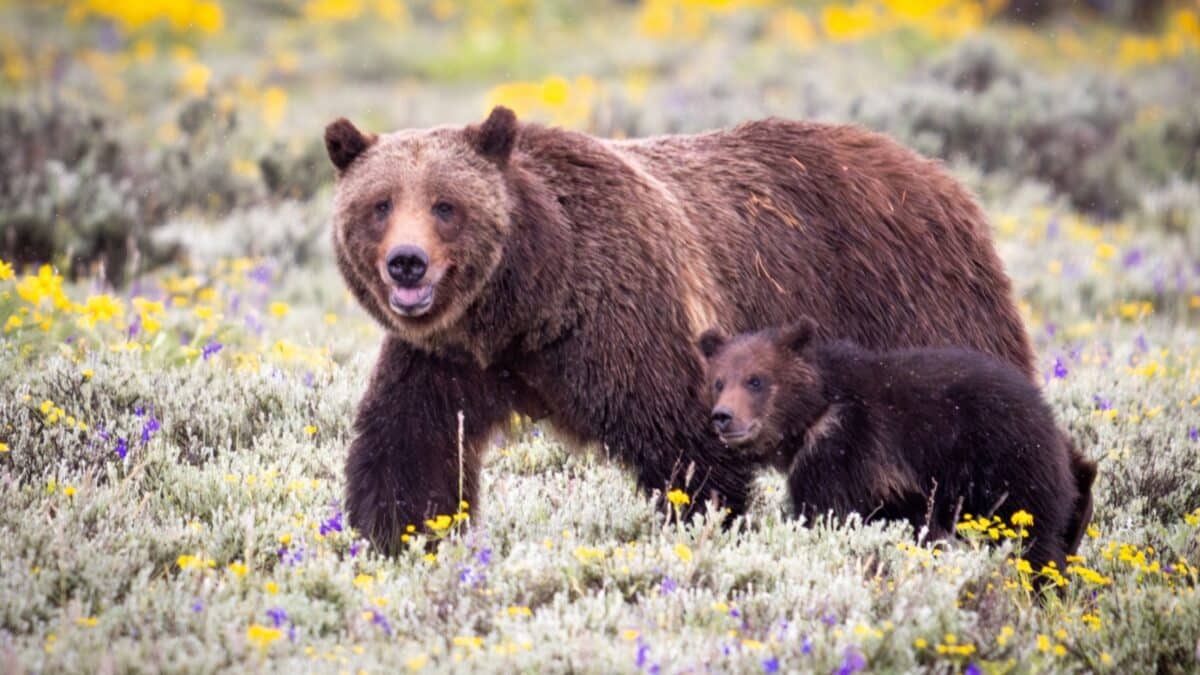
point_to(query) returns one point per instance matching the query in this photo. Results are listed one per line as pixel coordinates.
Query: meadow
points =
(179, 358)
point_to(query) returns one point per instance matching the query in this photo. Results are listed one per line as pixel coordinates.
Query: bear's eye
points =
(443, 210)
(754, 384)
(718, 385)
(383, 208)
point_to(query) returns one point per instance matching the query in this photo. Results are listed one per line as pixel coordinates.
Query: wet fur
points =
(588, 265)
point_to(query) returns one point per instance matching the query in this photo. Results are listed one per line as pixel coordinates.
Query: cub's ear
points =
(798, 335)
(344, 142)
(710, 342)
(497, 135)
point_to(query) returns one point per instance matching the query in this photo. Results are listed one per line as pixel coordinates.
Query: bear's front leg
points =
(405, 464)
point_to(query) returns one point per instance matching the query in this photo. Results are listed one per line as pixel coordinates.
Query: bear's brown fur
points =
(924, 435)
(567, 277)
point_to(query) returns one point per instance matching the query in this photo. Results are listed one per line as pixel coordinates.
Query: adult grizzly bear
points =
(923, 435)
(518, 267)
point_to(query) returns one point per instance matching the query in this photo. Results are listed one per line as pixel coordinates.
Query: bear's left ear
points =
(710, 342)
(798, 335)
(497, 135)
(344, 142)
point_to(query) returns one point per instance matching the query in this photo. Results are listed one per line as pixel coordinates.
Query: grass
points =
(170, 474)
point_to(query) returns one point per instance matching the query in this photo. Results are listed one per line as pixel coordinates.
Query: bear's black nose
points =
(406, 264)
(721, 418)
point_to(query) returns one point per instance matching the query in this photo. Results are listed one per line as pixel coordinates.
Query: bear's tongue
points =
(410, 296)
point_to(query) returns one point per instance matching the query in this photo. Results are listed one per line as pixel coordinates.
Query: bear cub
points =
(923, 435)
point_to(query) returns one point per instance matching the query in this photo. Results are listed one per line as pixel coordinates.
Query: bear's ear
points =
(344, 142)
(798, 335)
(497, 135)
(710, 342)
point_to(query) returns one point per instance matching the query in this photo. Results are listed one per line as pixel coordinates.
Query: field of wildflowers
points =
(179, 359)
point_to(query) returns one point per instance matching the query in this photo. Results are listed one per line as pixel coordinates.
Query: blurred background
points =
(187, 134)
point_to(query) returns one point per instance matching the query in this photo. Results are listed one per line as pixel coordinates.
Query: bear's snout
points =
(406, 265)
(722, 417)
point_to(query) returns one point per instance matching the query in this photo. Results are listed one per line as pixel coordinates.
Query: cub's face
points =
(753, 380)
(420, 218)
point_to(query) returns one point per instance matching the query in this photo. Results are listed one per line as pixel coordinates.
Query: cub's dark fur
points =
(923, 435)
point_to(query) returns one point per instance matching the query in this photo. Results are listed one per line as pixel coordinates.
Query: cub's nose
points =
(407, 264)
(722, 418)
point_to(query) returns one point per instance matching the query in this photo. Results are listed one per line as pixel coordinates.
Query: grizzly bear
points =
(519, 268)
(924, 435)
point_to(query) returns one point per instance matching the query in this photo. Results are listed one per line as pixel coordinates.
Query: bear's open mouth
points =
(411, 302)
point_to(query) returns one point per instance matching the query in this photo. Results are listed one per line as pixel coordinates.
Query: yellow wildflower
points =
(1022, 518)
(278, 308)
(6, 271)
(239, 569)
(271, 587)
(262, 636)
(3, 447)
(87, 621)
(439, 524)
(678, 498)
(684, 553)
(310, 430)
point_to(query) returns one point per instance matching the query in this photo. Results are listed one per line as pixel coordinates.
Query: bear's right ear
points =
(344, 142)
(710, 342)
(798, 335)
(497, 135)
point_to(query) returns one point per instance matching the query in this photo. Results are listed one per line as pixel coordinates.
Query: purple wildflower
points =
(135, 326)
(972, 669)
(253, 324)
(1051, 328)
(355, 547)
(668, 586)
(277, 616)
(149, 428)
(1101, 402)
(643, 651)
(210, 349)
(733, 611)
(197, 606)
(484, 557)
(291, 556)
(333, 524)
(139, 411)
(1141, 344)
(380, 620)
(852, 662)
(466, 575)
(1133, 258)
(309, 379)
(261, 274)
(771, 665)
(1194, 434)
(1060, 368)
(806, 646)
(122, 448)
(829, 619)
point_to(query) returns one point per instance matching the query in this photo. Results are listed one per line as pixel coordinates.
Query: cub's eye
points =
(443, 210)
(754, 384)
(718, 385)
(383, 208)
